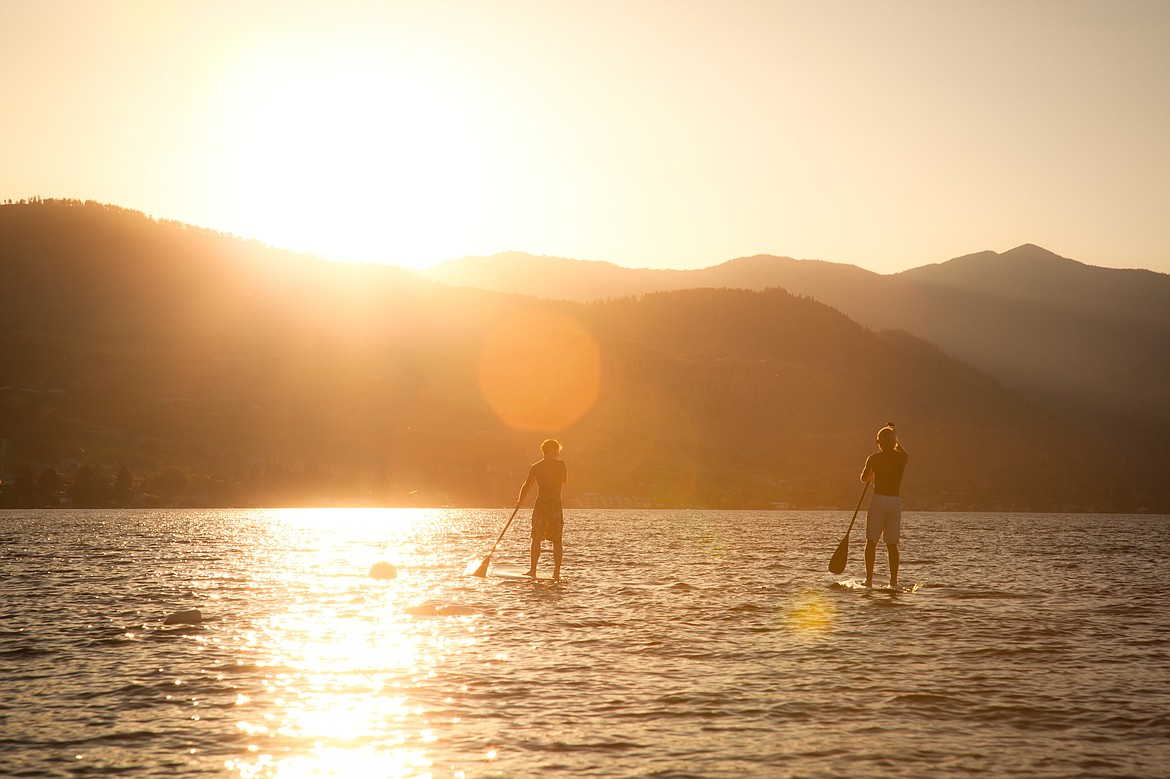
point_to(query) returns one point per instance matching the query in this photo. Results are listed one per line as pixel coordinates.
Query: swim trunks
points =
(884, 518)
(548, 520)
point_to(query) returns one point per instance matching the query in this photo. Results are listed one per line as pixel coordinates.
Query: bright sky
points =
(650, 133)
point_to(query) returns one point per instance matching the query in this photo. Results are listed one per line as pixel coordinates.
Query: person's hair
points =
(886, 438)
(550, 446)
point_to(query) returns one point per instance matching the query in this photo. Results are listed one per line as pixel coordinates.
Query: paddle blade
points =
(481, 571)
(840, 557)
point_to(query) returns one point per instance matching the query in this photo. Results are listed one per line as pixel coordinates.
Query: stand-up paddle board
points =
(854, 584)
(515, 573)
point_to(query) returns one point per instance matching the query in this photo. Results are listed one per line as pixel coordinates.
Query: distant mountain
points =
(1036, 276)
(556, 278)
(215, 371)
(1089, 343)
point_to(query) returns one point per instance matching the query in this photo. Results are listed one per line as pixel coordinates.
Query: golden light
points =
(340, 763)
(338, 643)
(352, 153)
(539, 371)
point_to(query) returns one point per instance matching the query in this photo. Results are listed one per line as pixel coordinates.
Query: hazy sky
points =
(655, 133)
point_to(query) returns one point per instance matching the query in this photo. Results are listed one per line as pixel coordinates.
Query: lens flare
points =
(539, 371)
(810, 614)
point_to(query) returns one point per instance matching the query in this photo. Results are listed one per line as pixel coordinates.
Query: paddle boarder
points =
(884, 516)
(547, 515)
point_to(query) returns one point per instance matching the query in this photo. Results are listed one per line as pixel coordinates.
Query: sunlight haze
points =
(649, 134)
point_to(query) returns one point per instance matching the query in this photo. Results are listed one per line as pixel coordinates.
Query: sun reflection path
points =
(367, 761)
(338, 659)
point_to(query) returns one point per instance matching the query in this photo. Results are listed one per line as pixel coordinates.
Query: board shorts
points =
(548, 520)
(884, 518)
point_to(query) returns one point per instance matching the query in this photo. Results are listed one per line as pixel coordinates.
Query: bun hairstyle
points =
(887, 438)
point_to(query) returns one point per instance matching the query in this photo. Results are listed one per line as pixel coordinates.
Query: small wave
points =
(172, 632)
(24, 653)
(981, 593)
(746, 608)
(924, 701)
(434, 608)
(592, 746)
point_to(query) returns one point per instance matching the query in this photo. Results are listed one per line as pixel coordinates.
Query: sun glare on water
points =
(335, 647)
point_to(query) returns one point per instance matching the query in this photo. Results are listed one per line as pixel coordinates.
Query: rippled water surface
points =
(681, 644)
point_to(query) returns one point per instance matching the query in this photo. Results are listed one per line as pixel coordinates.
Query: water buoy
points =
(383, 571)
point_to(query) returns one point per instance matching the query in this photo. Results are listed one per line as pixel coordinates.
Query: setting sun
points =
(349, 153)
(644, 134)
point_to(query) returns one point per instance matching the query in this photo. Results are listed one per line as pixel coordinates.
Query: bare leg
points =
(892, 551)
(558, 553)
(870, 557)
(533, 557)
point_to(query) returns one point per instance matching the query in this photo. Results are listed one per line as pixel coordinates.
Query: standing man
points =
(547, 515)
(884, 517)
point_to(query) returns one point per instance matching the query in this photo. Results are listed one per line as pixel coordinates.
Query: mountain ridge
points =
(1087, 342)
(249, 376)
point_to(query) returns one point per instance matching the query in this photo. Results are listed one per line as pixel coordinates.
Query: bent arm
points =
(527, 483)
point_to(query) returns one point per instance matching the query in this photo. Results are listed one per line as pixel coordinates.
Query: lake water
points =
(681, 644)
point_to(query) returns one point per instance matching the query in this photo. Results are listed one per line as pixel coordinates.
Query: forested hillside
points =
(1087, 343)
(152, 363)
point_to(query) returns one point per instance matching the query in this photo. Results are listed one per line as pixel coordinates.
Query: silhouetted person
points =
(548, 519)
(884, 517)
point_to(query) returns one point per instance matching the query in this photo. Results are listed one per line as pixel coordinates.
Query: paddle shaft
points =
(841, 557)
(864, 487)
(481, 571)
(505, 530)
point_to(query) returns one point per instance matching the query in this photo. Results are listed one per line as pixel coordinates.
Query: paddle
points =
(841, 556)
(481, 571)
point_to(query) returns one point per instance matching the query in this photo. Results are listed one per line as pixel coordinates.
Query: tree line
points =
(89, 485)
